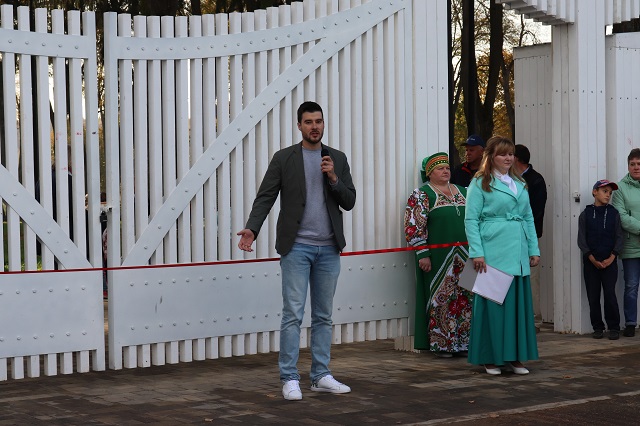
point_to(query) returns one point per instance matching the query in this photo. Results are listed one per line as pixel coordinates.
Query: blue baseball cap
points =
(474, 140)
(604, 182)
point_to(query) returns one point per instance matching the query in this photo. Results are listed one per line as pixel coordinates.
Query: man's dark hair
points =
(308, 106)
(633, 155)
(522, 154)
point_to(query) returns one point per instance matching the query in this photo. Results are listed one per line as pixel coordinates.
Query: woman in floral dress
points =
(434, 217)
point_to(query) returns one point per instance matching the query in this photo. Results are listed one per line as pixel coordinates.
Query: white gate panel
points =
(62, 314)
(232, 308)
(533, 117)
(58, 315)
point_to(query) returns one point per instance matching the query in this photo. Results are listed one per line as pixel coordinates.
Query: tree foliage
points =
(483, 69)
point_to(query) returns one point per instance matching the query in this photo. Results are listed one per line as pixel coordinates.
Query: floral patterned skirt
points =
(446, 307)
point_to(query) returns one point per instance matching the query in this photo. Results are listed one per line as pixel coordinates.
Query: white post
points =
(578, 135)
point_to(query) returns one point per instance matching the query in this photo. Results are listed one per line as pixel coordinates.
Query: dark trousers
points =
(606, 279)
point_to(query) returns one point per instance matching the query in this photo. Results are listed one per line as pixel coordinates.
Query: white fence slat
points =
(359, 332)
(158, 353)
(274, 341)
(358, 238)
(169, 135)
(82, 361)
(209, 134)
(237, 345)
(263, 344)
(50, 365)
(92, 147)
(155, 133)
(17, 367)
(261, 142)
(26, 139)
(33, 366)
(144, 355)
(186, 350)
(273, 70)
(66, 363)
(211, 348)
(380, 175)
(199, 349)
(11, 144)
(77, 142)
(293, 15)
(44, 136)
(182, 141)
(249, 143)
(236, 157)
(309, 14)
(129, 356)
(60, 123)
(224, 170)
(172, 352)
(3, 369)
(347, 333)
(195, 123)
(391, 110)
(225, 346)
(140, 133)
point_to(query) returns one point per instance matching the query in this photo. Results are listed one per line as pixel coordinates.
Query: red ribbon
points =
(230, 262)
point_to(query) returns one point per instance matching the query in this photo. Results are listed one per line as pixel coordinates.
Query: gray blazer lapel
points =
(298, 164)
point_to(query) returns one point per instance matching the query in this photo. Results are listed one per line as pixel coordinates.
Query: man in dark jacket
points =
(538, 199)
(535, 184)
(314, 183)
(474, 148)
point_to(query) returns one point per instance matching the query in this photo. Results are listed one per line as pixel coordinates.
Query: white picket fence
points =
(195, 108)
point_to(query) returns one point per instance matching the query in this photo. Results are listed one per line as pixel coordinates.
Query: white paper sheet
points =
(493, 284)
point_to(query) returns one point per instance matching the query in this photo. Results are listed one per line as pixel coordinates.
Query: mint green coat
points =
(627, 201)
(499, 226)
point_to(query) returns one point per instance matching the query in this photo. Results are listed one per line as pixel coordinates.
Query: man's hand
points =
(327, 167)
(608, 261)
(595, 262)
(246, 240)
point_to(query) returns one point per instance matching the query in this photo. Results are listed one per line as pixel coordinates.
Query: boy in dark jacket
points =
(600, 240)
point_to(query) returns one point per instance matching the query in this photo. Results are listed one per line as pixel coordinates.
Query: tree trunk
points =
(496, 59)
(468, 67)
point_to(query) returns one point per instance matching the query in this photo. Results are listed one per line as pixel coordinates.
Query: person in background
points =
(435, 215)
(501, 233)
(314, 183)
(600, 240)
(538, 199)
(474, 148)
(627, 201)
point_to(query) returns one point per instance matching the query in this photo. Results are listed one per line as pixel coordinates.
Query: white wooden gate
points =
(195, 109)
(50, 317)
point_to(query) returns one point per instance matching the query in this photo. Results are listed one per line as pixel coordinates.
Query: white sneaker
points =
(329, 384)
(291, 390)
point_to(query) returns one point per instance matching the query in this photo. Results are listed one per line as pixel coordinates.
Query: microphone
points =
(324, 153)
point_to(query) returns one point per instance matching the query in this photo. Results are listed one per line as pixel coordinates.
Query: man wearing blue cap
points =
(474, 148)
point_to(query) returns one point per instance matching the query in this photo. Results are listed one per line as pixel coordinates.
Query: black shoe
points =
(614, 334)
(629, 331)
(597, 334)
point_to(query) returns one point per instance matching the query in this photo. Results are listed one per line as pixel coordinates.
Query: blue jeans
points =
(317, 268)
(631, 279)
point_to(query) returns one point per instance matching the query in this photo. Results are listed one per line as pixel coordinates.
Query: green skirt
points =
(507, 332)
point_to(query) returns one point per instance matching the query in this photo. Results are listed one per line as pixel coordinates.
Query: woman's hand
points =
(479, 265)
(425, 264)
(534, 260)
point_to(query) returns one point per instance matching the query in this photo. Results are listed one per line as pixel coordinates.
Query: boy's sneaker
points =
(329, 384)
(629, 331)
(597, 334)
(614, 334)
(291, 390)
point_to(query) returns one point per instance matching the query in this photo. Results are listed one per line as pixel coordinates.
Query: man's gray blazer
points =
(285, 175)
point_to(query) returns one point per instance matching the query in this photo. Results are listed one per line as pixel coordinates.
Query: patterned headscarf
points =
(430, 163)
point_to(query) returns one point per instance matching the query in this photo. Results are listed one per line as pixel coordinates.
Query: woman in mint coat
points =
(501, 233)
